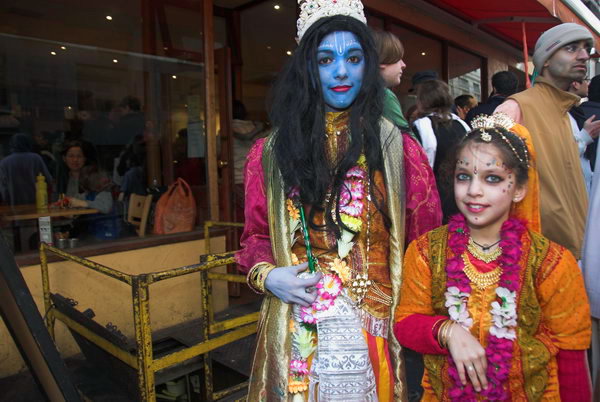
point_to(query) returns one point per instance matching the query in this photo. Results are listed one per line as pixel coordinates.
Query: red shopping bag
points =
(175, 210)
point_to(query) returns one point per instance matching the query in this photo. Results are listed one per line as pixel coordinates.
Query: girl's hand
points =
(284, 283)
(469, 356)
(77, 203)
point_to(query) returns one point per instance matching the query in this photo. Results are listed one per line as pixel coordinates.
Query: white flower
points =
(501, 322)
(345, 244)
(452, 291)
(298, 397)
(505, 310)
(504, 315)
(506, 333)
(506, 294)
(456, 302)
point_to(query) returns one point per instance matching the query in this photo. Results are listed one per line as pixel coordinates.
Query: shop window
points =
(107, 105)
(464, 73)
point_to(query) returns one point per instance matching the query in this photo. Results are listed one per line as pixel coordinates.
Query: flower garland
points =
(503, 310)
(352, 196)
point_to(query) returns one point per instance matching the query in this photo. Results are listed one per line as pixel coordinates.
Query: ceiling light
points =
(165, 48)
(115, 61)
(268, 47)
(276, 7)
(108, 17)
(174, 77)
(423, 53)
(63, 48)
(53, 53)
(289, 52)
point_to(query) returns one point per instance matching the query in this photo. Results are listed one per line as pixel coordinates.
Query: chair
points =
(137, 212)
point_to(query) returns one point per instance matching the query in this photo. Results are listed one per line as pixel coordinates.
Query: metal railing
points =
(143, 360)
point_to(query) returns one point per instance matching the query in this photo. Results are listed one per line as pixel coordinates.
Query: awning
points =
(507, 18)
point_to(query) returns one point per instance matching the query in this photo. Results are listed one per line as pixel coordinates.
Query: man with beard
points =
(560, 57)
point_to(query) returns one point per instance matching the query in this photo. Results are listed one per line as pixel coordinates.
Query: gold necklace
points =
(481, 280)
(481, 253)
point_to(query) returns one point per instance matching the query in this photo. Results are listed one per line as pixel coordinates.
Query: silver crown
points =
(484, 122)
(313, 10)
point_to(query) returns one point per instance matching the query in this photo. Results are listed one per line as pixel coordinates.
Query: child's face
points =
(484, 188)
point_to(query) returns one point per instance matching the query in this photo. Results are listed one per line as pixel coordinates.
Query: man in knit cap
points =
(560, 57)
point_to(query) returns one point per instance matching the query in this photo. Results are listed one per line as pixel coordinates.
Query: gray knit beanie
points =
(556, 37)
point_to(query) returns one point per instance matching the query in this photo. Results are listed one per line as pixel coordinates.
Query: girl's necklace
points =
(481, 252)
(484, 248)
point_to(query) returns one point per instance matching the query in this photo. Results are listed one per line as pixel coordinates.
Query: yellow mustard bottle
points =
(41, 192)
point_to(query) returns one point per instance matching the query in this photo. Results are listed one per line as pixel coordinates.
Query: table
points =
(24, 212)
(44, 216)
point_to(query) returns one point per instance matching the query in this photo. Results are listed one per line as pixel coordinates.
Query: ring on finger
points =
(470, 368)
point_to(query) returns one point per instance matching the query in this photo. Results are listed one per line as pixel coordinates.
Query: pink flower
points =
(357, 189)
(354, 208)
(308, 315)
(345, 195)
(356, 172)
(294, 192)
(322, 304)
(329, 287)
(299, 367)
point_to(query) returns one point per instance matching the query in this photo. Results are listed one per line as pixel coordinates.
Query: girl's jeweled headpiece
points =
(313, 10)
(484, 122)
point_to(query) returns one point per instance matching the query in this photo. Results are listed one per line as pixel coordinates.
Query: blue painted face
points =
(341, 66)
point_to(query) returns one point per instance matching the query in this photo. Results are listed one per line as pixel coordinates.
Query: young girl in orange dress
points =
(499, 311)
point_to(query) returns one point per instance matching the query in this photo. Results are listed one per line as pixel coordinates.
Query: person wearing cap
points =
(420, 77)
(560, 57)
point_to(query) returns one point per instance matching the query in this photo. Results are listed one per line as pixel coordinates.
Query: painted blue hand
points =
(341, 64)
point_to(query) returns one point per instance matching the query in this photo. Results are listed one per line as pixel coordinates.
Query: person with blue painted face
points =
(341, 63)
(328, 211)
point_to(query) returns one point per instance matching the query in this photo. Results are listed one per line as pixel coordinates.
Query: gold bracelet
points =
(257, 275)
(450, 328)
(443, 333)
(438, 330)
(440, 337)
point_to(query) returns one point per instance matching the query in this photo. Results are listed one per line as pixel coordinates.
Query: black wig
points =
(297, 111)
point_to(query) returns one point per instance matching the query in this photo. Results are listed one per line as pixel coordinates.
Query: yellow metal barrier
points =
(143, 361)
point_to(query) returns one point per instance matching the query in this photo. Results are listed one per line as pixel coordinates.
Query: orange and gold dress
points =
(552, 309)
